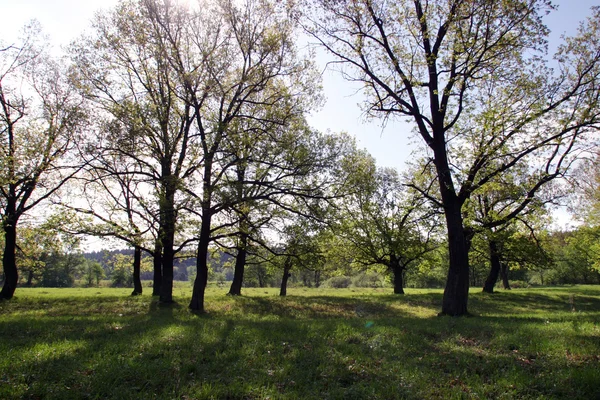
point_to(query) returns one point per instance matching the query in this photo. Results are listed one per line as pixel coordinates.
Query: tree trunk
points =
(30, 278)
(157, 258)
(166, 287)
(197, 302)
(504, 276)
(11, 275)
(495, 267)
(456, 293)
(137, 266)
(397, 271)
(317, 278)
(240, 263)
(261, 278)
(286, 275)
(168, 238)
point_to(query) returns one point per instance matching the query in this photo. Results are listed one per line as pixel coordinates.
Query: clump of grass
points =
(313, 344)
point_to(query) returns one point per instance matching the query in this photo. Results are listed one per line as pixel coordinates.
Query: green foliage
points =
(260, 275)
(91, 272)
(60, 269)
(368, 280)
(314, 344)
(337, 282)
(576, 257)
(381, 222)
(430, 272)
(120, 269)
(586, 194)
(47, 257)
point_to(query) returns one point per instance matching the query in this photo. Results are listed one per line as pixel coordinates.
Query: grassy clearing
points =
(314, 344)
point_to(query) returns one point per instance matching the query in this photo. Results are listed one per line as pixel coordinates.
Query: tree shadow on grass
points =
(297, 348)
(527, 302)
(334, 306)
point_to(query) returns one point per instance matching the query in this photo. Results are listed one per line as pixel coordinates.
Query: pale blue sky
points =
(63, 20)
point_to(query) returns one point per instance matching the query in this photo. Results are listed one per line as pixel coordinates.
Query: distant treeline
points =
(183, 266)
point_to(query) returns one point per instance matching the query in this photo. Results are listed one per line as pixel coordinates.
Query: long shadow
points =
(321, 347)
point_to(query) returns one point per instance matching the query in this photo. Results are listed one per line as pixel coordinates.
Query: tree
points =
(585, 180)
(298, 246)
(179, 83)
(32, 243)
(288, 168)
(500, 210)
(576, 257)
(40, 119)
(253, 63)
(92, 272)
(448, 66)
(126, 70)
(121, 267)
(385, 222)
(118, 206)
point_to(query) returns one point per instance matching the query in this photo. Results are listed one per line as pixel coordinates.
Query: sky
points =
(63, 20)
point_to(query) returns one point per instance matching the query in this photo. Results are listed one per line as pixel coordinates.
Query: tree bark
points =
(286, 275)
(495, 267)
(137, 266)
(197, 302)
(29, 278)
(11, 275)
(168, 239)
(157, 258)
(504, 276)
(456, 292)
(397, 271)
(240, 263)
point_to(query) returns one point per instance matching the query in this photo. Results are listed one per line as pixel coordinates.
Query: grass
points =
(314, 344)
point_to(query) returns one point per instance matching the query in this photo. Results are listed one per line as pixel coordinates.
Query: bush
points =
(368, 280)
(122, 277)
(518, 284)
(337, 282)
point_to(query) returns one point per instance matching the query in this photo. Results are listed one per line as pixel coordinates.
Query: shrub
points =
(518, 284)
(337, 282)
(368, 280)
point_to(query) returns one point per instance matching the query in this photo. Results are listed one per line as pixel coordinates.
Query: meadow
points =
(100, 343)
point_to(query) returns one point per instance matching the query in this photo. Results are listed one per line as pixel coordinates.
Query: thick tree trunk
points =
(11, 275)
(168, 238)
(137, 266)
(157, 258)
(240, 263)
(166, 287)
(456, 292)
(504, 276)
(492, 278)
(286, 275)
(197, 302)
(397, 271)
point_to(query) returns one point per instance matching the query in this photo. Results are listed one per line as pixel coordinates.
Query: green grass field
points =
(314, 344)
